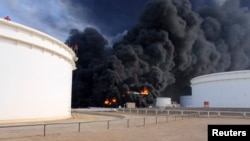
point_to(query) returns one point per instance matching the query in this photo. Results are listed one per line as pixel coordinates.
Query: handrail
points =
(79, 123)
(180, 110)
(128, 124)
(18, 27)
(36, 32)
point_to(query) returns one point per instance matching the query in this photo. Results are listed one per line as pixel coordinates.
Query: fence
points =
(201, 113)
(149, 116)
(81, 126)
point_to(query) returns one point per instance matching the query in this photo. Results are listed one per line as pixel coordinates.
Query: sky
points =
(57, 17)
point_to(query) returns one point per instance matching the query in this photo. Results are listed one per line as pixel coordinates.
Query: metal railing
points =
(10, 131)
(201, 113)
(148, 116)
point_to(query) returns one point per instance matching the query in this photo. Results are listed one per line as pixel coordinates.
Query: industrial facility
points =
(218, 90)
(162, 102)
(36, 74)
(36, 80)
(226, 89)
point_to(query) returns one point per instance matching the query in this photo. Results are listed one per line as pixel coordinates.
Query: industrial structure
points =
(36, 74)
(186, 101)
(163, 102)
(226, 89)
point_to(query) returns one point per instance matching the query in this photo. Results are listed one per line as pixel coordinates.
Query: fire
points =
(144, 91)
(106, 102)
(110, 102)
(114, 100)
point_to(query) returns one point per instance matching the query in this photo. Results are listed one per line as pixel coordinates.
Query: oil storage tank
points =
(227, 89)
(186, 101)
(162, 102)
(36, 75)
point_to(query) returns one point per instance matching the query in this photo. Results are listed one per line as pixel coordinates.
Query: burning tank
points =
(142, 97)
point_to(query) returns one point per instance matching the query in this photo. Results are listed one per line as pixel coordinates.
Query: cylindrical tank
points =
(163, 102)
(227, 89)
(186, 101)
(36, 75)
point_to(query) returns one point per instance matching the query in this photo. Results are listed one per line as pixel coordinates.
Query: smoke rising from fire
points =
(169, 45)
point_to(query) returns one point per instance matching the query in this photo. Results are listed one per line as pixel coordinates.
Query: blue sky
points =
(53, 17)
(57, 17)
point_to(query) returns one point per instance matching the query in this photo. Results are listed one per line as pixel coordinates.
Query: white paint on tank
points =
(163, 102)
(227, 89)
(36, 74)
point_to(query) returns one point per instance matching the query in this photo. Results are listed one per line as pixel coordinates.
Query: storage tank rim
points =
(43, 35)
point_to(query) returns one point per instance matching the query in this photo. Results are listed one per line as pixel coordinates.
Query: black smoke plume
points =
(169, 45)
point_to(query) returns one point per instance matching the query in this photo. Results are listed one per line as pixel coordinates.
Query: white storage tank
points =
(227, 89)
(36, 75)
(186, 101)
(163, 102)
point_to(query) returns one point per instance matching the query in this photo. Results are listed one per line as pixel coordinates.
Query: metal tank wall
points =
(186, 101)
(36, 74)
(163, 102)
(228, 89)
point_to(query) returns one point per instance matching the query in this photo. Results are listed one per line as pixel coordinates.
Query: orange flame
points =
(144, 91)
(110, 102)
(106, 102)
(113, 100)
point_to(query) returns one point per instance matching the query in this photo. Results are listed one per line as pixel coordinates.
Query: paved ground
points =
(192, 129)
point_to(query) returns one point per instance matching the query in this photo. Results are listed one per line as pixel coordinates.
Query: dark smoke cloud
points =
(170, 44)
(231, 24)
(110, 16)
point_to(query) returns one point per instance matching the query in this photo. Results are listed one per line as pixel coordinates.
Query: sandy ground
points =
(188, 129)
